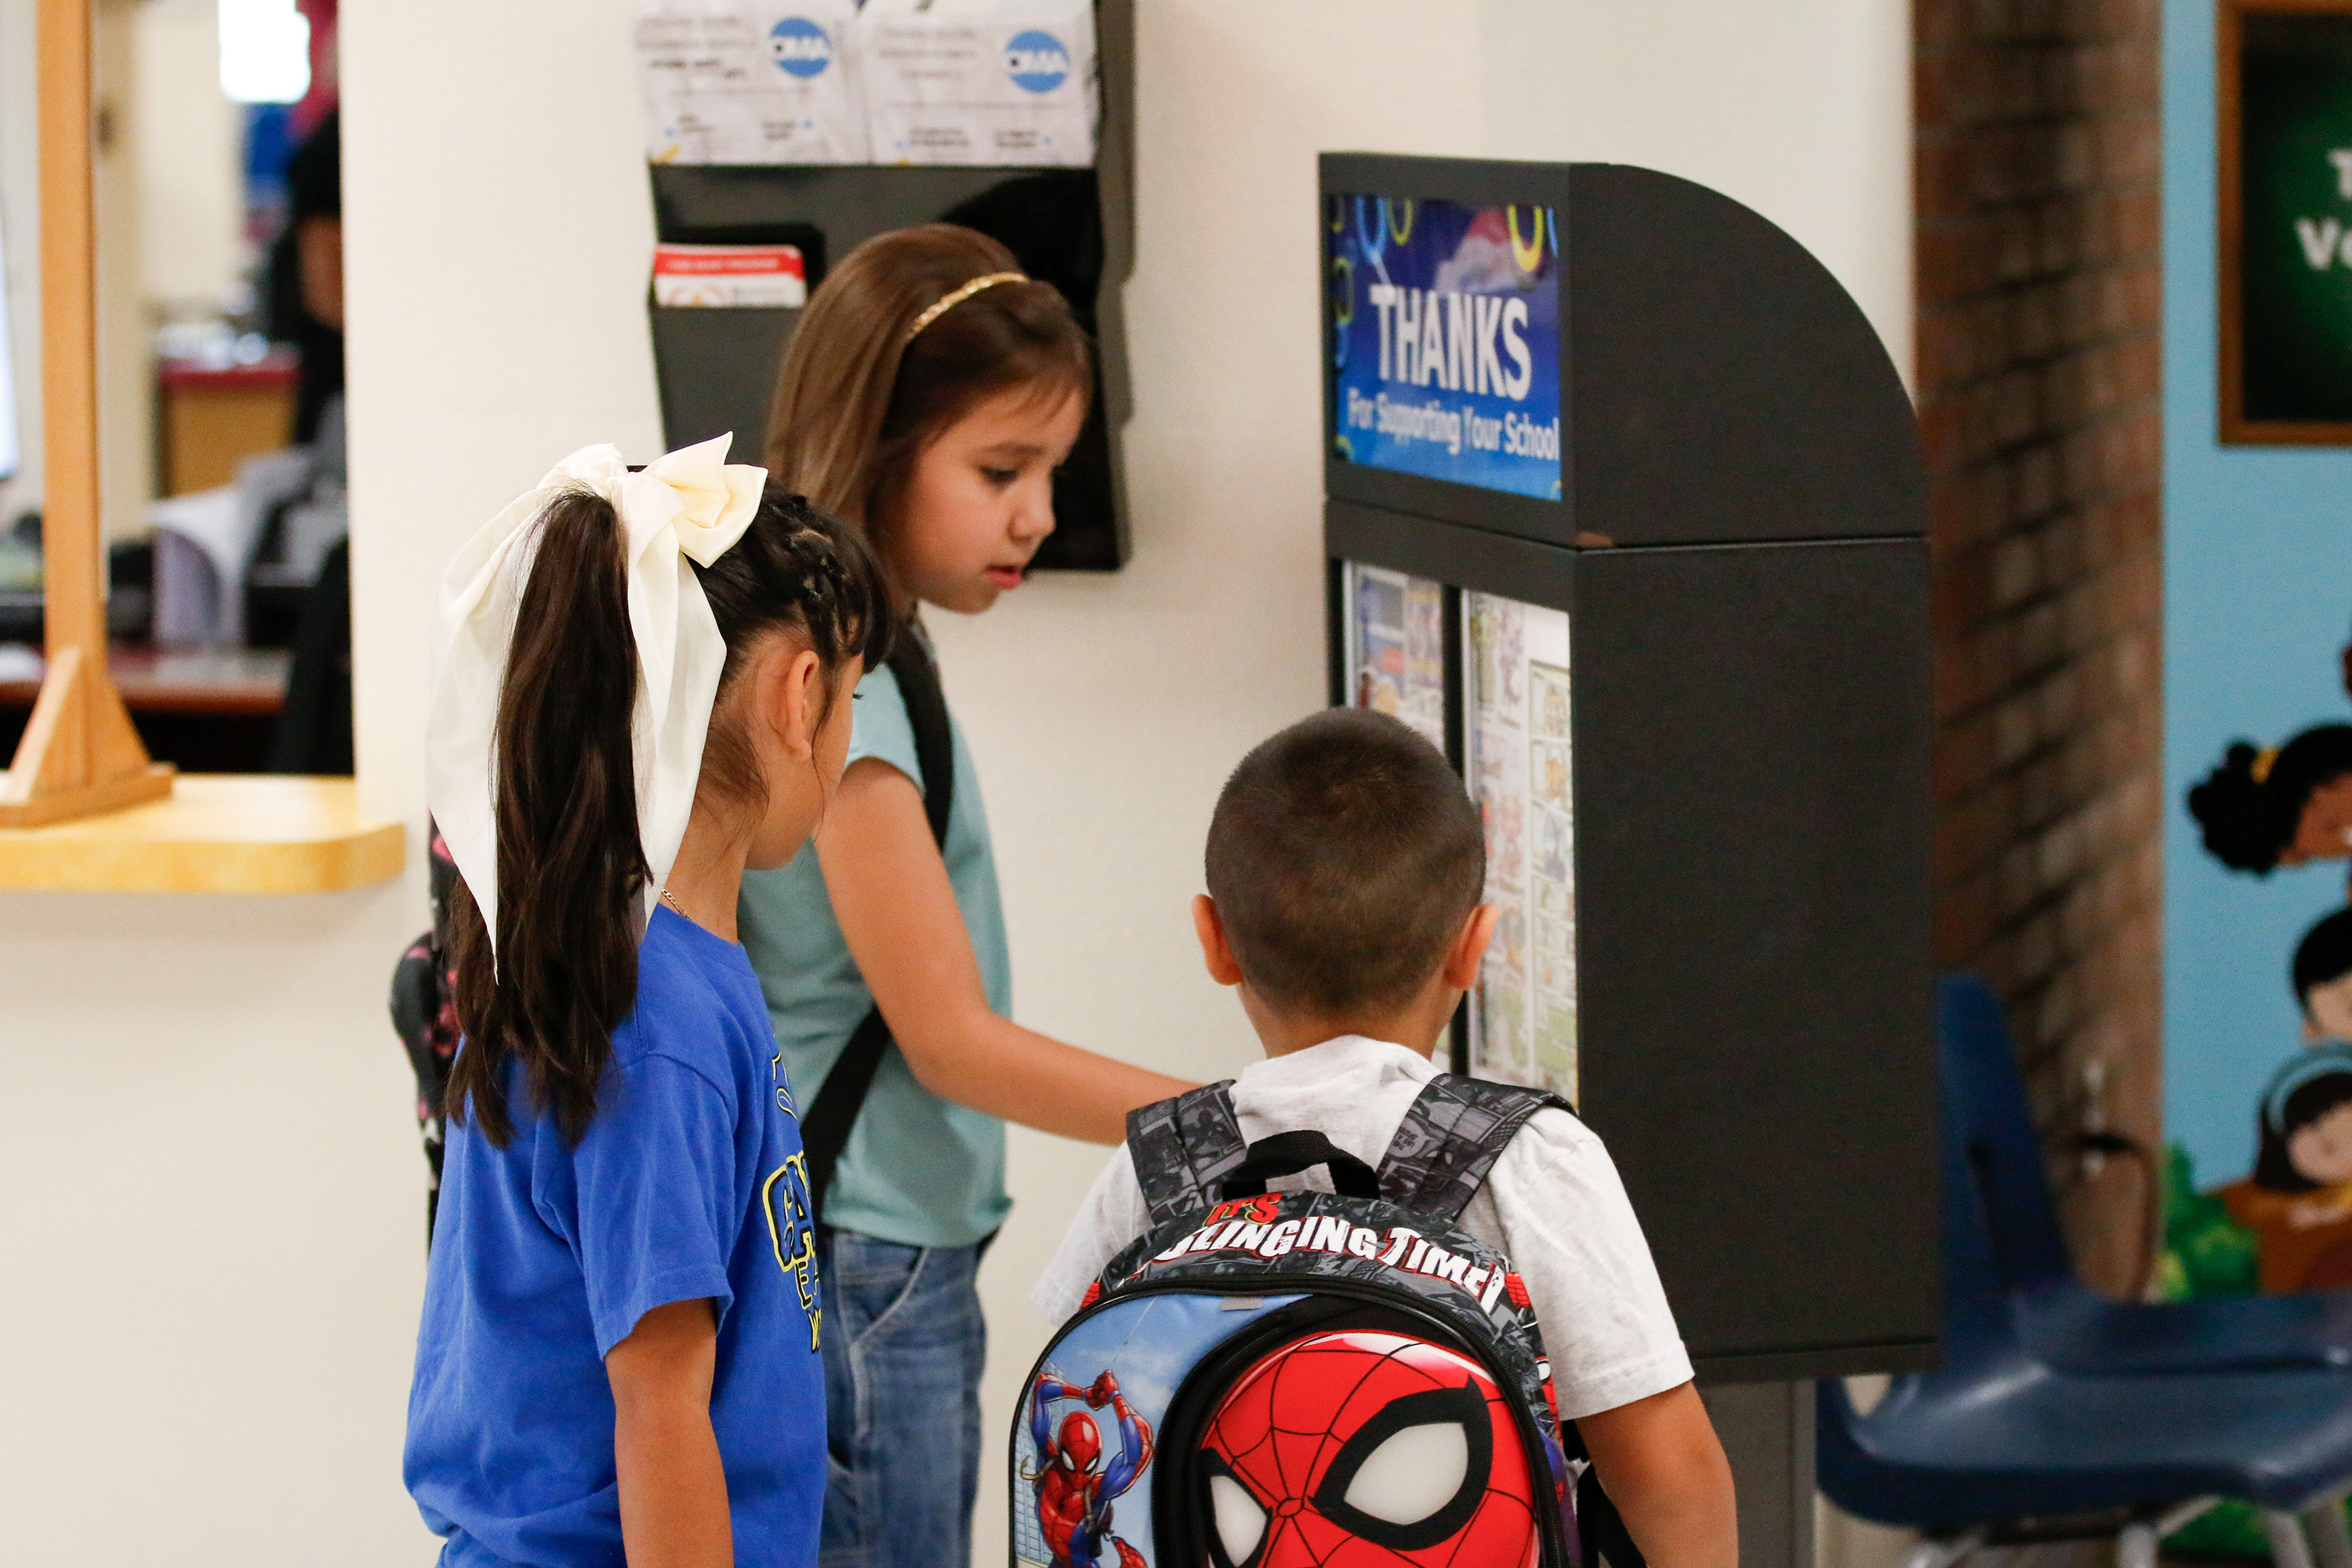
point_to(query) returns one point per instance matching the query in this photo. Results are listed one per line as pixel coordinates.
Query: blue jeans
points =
(903, 1343)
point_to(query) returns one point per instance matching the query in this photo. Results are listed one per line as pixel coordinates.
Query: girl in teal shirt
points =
(928, 395)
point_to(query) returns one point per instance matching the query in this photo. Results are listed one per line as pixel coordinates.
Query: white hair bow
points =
(692, 503)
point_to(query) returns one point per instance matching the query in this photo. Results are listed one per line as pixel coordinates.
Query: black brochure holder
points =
(1072, 226)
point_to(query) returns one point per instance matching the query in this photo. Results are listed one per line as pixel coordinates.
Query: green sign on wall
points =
(2285, 228)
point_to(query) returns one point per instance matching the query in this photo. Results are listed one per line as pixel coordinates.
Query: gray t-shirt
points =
(919, 1170)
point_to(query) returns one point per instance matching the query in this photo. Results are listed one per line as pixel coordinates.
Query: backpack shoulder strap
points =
(927, 714)
(1184, 1148)
(825, 1126)
(1450, 1138)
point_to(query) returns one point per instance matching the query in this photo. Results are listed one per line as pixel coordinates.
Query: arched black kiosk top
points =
(1714, 839)
(1718, 385)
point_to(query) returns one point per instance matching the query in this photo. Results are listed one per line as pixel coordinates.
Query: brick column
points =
(2040, 387)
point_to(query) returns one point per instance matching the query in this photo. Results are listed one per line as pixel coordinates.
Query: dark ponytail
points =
(571, 873)
(2249, 814)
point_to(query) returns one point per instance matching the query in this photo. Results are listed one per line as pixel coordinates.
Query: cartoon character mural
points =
(1075, 1488)
(2286, 805)
(2258, 810)
(2298, 1201)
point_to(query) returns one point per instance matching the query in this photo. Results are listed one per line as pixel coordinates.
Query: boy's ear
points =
(1469, 949)
(2312, 1033)
(1216, 953)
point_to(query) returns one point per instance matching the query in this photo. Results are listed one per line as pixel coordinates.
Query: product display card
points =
(773, 276)
(1516, 758)
(1444, 351)
(979, 81)
(751, 81)
(1396, 648)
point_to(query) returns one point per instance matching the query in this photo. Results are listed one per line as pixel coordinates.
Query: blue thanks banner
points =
(1445, 340)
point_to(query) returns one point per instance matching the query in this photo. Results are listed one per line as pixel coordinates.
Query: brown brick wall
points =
(2039, 380)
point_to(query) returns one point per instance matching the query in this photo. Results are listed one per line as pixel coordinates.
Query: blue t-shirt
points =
(919, 1170)
(689, 1184)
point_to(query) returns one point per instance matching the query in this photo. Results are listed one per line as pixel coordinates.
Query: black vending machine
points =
(1625, 511)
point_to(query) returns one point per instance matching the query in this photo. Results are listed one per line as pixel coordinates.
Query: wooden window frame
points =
(80, 754)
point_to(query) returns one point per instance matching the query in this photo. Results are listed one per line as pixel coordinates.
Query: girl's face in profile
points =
(979, 500)
(2325, 830)
(2321, 1150)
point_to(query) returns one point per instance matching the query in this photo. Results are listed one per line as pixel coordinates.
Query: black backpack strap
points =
(425, 1014)
(1450, 1138)
(1600, 1528)
(825, 1126)
(1184, 1148)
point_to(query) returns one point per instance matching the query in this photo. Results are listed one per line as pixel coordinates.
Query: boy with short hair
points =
(1345, 870)
(2322, 980)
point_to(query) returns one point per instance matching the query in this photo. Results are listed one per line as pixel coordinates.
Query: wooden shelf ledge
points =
(216, 833)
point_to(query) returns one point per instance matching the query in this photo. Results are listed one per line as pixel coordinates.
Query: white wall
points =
(193, 252)
(497, 231)
(1801, 109)
(215, 1230)
(498, 235)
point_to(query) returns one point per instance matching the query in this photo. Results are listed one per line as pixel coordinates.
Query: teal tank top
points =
(919, 1170)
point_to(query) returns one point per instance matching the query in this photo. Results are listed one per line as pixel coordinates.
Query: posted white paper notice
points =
(1396, 648)
(751, 81)
(1523, 1026)
(980, 83)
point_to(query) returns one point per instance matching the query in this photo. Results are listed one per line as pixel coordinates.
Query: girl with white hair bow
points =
(643, 687)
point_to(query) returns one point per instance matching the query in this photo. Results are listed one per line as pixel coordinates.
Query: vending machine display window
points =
(1517, 760)
(1485, 679)
(1396, 648)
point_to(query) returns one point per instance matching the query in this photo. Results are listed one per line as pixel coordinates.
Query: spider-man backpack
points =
(1279, 1380)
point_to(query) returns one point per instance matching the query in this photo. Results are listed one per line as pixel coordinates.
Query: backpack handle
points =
(1288, 1154)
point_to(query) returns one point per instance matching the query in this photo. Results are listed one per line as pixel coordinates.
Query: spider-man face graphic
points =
(1079, 1442)
(1364, 1449)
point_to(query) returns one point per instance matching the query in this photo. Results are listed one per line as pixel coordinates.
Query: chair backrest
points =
(1979, 1325)
(1985, 1114)
(2000, 1234)
(1980, 1344)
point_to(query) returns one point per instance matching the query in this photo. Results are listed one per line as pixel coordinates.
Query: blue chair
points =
(2000, 1445)
(2060, 1323)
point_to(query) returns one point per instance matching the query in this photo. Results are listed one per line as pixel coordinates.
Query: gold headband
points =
(2261, 764)
(948, 301)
